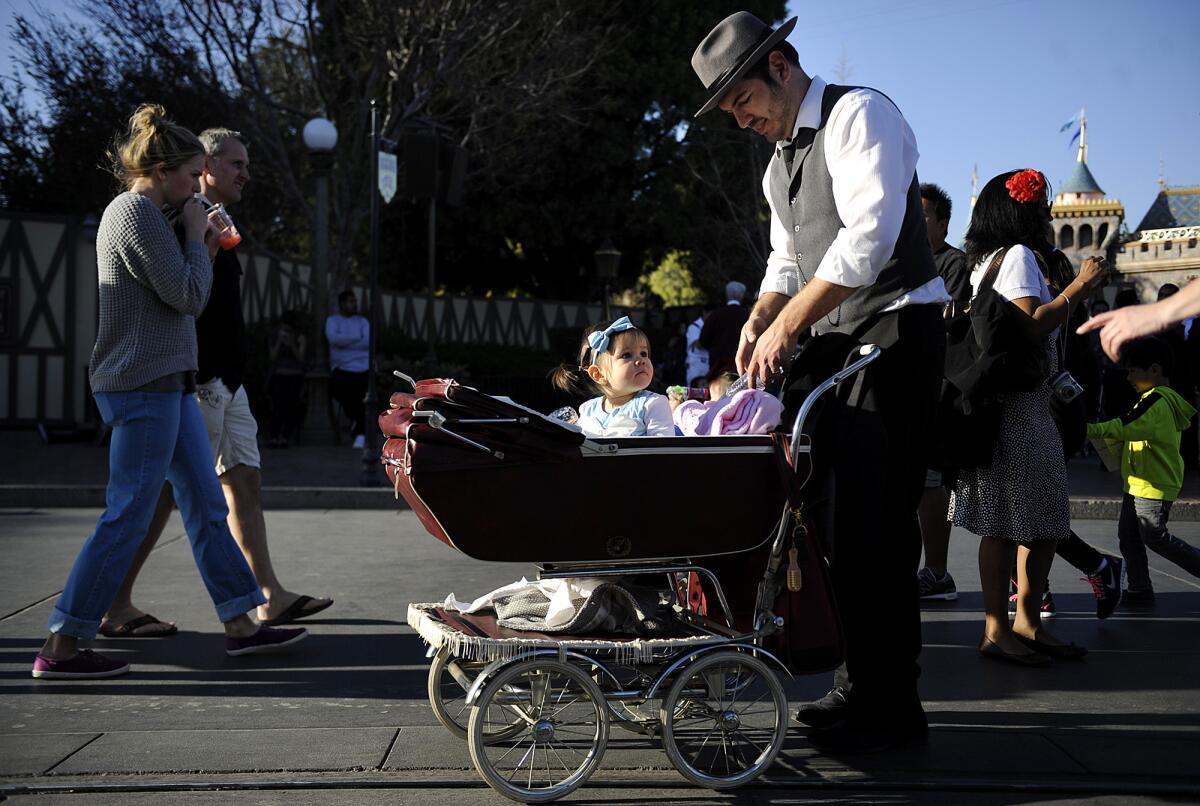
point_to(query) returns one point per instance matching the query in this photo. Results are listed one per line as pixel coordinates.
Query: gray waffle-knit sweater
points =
(151, 292)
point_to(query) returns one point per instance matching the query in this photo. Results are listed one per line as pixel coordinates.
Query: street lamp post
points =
(608, 260)
(370, 455)
(320, 137)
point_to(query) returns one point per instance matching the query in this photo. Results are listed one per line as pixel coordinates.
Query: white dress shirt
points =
(871, 155)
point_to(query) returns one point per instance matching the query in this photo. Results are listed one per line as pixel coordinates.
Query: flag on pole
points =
(1076, 123)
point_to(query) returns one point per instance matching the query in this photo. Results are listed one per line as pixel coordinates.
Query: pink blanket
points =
(749, 411)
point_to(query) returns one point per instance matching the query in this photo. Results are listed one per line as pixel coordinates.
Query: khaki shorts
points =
(232, 430)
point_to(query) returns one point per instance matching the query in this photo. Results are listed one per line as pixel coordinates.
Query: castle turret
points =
(1164, 248)
(1085, 221)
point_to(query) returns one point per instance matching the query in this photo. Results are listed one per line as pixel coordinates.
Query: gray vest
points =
(803, 201)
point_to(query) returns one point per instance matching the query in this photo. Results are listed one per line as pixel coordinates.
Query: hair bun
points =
(152, 117)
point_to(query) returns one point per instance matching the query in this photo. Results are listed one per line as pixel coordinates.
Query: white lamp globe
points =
(320, 135)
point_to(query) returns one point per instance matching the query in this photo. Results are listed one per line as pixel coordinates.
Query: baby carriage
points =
(744, 587)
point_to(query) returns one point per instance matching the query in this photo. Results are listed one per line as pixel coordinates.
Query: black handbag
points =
(991, 350)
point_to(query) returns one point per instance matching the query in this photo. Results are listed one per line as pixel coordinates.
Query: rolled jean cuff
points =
(231, 609)
(65, 624)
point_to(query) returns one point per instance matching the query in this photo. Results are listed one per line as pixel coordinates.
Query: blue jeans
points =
(156, 437)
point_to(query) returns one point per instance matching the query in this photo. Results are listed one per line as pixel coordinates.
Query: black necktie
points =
(803, 139)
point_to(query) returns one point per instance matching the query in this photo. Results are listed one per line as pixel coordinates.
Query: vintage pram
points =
(716, 521)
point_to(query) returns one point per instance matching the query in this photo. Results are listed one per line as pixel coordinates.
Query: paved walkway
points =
(346, 715)
(34, 473)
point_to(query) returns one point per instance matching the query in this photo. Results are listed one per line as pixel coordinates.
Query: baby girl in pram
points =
(614, 360)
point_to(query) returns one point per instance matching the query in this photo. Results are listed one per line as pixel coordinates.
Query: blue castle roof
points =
(1081, 181)
(1173, 208)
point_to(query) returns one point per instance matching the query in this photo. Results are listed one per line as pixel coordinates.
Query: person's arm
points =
(363, 340)
(761, 316)
(1025, 281)
(776, 346)
(871, 155)
(337, 336)
(1120, 326)
(182, 280)
(658, 418)
(1142, 422)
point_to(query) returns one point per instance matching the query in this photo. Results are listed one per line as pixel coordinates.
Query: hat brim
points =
(774, 39)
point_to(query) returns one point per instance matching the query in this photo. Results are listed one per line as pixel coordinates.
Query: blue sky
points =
(991, 82)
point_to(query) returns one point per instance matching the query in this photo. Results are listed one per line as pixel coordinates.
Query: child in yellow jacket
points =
(1151, 466)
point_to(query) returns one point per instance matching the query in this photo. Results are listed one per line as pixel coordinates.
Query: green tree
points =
(578, 124)
(671, 281)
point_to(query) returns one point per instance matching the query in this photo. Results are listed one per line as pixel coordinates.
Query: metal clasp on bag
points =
(437, 420)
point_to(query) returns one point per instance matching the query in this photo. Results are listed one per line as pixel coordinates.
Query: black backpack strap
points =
(993, 270)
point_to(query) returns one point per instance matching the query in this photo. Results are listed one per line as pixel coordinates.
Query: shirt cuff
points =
(781, 278)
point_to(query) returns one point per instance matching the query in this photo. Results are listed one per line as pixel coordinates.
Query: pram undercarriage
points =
(536, 708)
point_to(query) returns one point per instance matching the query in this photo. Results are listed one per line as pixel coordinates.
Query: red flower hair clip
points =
(1027, 186)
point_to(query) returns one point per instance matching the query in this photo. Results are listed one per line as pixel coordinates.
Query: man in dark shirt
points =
(723, 328)
(934, 582)
(232, 429)
(951, 262)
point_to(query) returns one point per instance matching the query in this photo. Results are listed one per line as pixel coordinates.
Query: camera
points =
(1065, 387)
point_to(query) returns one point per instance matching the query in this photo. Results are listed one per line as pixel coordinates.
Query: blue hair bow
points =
(599, 340)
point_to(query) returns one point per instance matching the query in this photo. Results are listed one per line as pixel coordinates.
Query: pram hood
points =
(499, 481)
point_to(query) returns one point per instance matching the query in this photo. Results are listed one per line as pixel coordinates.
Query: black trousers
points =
(1078, 553)
(287, 405)
(872, 444)
(349, 389)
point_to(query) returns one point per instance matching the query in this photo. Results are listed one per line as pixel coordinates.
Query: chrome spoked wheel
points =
(561, 739)
(637, 716)
(724, 720)
(449, 680)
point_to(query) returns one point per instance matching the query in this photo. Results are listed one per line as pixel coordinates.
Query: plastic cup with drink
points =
(223, 228)
(227, 234)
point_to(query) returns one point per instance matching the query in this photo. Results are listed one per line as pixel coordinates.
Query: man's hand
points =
(764, 313)
(1120, 326)
(773, 351)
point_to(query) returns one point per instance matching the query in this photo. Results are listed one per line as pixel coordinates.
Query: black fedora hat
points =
(732, 48)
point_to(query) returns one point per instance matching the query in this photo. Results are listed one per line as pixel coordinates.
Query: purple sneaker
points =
(267, 639)
(84, 665)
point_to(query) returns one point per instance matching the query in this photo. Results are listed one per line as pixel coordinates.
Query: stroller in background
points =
(745, 585)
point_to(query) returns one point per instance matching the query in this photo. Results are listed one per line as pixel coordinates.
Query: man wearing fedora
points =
(850, 262)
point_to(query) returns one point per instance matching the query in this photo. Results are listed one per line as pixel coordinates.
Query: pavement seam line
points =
(1067, 753)
(387, 753)
(49, 770)
(1091, 785)
(42, 601)
(29, 607)
(1172, 576)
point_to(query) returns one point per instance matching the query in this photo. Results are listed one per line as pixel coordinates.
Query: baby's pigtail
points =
(573, 380)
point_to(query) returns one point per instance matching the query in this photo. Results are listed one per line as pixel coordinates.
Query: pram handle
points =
(868, 353)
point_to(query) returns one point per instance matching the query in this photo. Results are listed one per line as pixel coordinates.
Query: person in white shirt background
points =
(697, 356)
(349, 336)
(850, 260)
